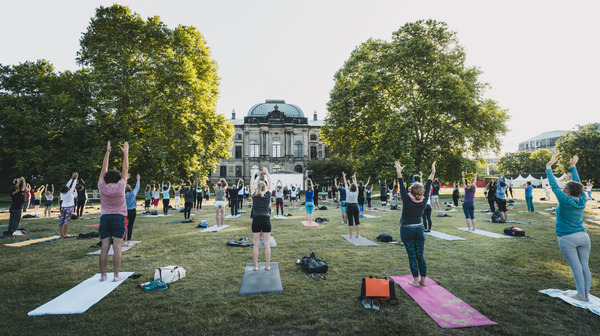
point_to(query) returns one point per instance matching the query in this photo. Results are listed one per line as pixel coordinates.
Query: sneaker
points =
(156, 285)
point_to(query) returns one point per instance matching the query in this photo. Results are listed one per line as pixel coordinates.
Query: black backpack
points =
(312, 264)
(385, 238)
(497, 217)
(514, 231)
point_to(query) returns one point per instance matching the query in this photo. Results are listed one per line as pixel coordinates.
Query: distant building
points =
(545, 140)
(275, 135)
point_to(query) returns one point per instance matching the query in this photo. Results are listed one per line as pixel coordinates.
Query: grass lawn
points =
(498, 277)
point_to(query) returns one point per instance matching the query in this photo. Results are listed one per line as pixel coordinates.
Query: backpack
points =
(323, 208)
(169, 274)
(312, 264)
(384, 238)
(497, 217)
(203, 224)
(514, 231)
(382, 290)
(320, 220)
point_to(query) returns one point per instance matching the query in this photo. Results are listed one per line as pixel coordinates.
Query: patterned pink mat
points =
(92, 225)
(445, 309)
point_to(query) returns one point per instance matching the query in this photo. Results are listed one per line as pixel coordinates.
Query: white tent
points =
(518, 182)
(288, 178)
(535, 182)
(561, 181)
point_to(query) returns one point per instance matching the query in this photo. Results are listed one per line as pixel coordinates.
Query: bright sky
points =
(539, 57)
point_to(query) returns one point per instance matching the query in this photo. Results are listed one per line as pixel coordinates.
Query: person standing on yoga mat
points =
(48, 202)
(234, 192)
(155, 196)
(17, 195)
(411, 228)
(293, 194)
(147, 198)
(261, 218)
(189, 194)
(352, 204)
(309, 193)
(455, 194)
(435, 196)
(361, 195)
(501, 196)
(342, 192)
(588, 188)
(383, 193)
(68, 205)
(469, 203)
(37, 198)
(166, 197)
(113, 210)
(279, 197)
(573, 240)
(131, 207)
(529, 196)
(81, 198)
(491, 195)
(220, 188)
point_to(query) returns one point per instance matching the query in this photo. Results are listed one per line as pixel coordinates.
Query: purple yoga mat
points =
(445, 309)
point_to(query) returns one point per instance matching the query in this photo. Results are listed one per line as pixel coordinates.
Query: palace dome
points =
(263, 109)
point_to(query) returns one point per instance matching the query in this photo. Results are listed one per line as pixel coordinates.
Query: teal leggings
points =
(529, 200)
(414, 248)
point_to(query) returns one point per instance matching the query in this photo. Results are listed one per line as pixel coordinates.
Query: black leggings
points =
(491, 202)
(130, 220)
(240, 202)
(187, 209)
(165, 206)
(353, 214)
(369, 202)
(198, 204)
(234, 207)
(427, 217)
(80, 206)
(455, 200)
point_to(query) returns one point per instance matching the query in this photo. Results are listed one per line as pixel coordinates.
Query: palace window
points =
(276, 149)
(254, 149)
(298, 149)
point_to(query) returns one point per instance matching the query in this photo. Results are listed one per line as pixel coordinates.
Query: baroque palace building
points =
(275, 135)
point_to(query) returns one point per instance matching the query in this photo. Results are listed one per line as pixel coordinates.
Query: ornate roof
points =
(263, 109)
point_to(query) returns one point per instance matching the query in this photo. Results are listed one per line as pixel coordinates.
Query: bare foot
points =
(255, 268)
(102, 277)
(414, 283)
(578, 296)
(356, 236)
(128, 244)
(423, 282)
(118, 278)
(268, 268)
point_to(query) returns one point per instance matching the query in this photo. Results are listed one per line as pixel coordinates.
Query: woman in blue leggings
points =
(469, 201)
(309, 205)
(529, 197)
(573, 240)
(411, 228)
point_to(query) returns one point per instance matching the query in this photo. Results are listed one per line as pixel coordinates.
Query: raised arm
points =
(252, 178)
(73, 181)
(366, 184)
(266, 172)
(125, 169)
(137, 185)
(354, 178)
(399, 169)
(225, 184)
(432, 175)
(574, 173)
(475, 178)
(104, 168)
(464, 182)
(53, 189)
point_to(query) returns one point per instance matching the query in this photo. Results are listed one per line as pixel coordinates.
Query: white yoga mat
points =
(214, 228)
(280, 217)
(360, 241)
(230, 216)
(123, 248)
(444, 236)
(593, 305)
(159, 215)
(371, 216)
(81, 297)
(486, 233)
(272, 243)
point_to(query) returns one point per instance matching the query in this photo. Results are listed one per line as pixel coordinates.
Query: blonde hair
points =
(417, 190)
(261, 189)
(473, 187)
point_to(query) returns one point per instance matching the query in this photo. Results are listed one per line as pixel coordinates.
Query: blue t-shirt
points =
(309, 195)
(501, 190)
(342, 194)
(130, 197)
(529, 190)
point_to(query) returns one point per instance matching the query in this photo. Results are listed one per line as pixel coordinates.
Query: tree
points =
(414, 100)
(156, 88)
(537, 161)
(329, 169)
(585, 143)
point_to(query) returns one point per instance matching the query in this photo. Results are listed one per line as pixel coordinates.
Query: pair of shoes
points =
(156, 285)
(244, 239)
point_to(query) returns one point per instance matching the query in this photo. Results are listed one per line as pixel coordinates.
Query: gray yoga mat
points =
(123, 248)
(444, 236)
(360, 241)
(486, 233)
(261, 281)
(214, 228)
(272, 243)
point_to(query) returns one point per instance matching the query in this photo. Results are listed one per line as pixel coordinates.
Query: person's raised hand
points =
(553, 160)
(574, 160)
(125, 147)
(138, 177)
(108, 146)
(433, 166)
(398, 167)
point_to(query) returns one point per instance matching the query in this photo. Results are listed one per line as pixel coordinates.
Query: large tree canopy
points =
(412, 99)
(585, 144)
(142, 82)
(524, 163)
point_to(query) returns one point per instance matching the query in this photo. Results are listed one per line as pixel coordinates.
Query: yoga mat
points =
(486, 233)
(199, 210)
(214, 228)
(230, 216)
(307, 223)
(593, 305)
(89, 217)
(360, 241)
(36, 240)
(123, 248)
(92, 225)
(280, 217)
(261, 281)
(445, 309)
(371, 216)
(444, 236)
(272, 243)
(81, 297)
(508, 221)
(159, 215)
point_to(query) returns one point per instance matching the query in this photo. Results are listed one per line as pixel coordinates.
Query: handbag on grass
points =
(382, 290)
(312, 264)
(169, 274)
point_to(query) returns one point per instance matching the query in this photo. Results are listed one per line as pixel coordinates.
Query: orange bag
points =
(382, 290)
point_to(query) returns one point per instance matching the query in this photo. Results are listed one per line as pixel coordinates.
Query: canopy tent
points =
(535, 182)
(518, 181)
(562, 180)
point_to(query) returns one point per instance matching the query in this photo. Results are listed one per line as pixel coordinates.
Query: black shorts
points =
(147, 203)
(501, 204)
(279, 202)
(37, 202)
(261, 224)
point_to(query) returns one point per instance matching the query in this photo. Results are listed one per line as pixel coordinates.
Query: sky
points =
(540, 58)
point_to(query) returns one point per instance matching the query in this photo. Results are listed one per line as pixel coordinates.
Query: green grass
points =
(498, 277)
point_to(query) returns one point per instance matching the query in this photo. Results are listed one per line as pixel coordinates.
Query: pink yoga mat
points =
(445, 309)
(307, 223)
(92, 225)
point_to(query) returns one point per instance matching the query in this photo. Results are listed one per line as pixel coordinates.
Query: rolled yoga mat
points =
(444, 236)
(445, 309)
(81, 297)
(360, 241)
(593, 305)
(123, 248)
(214, 228)
(486, 233)
(261, 281)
